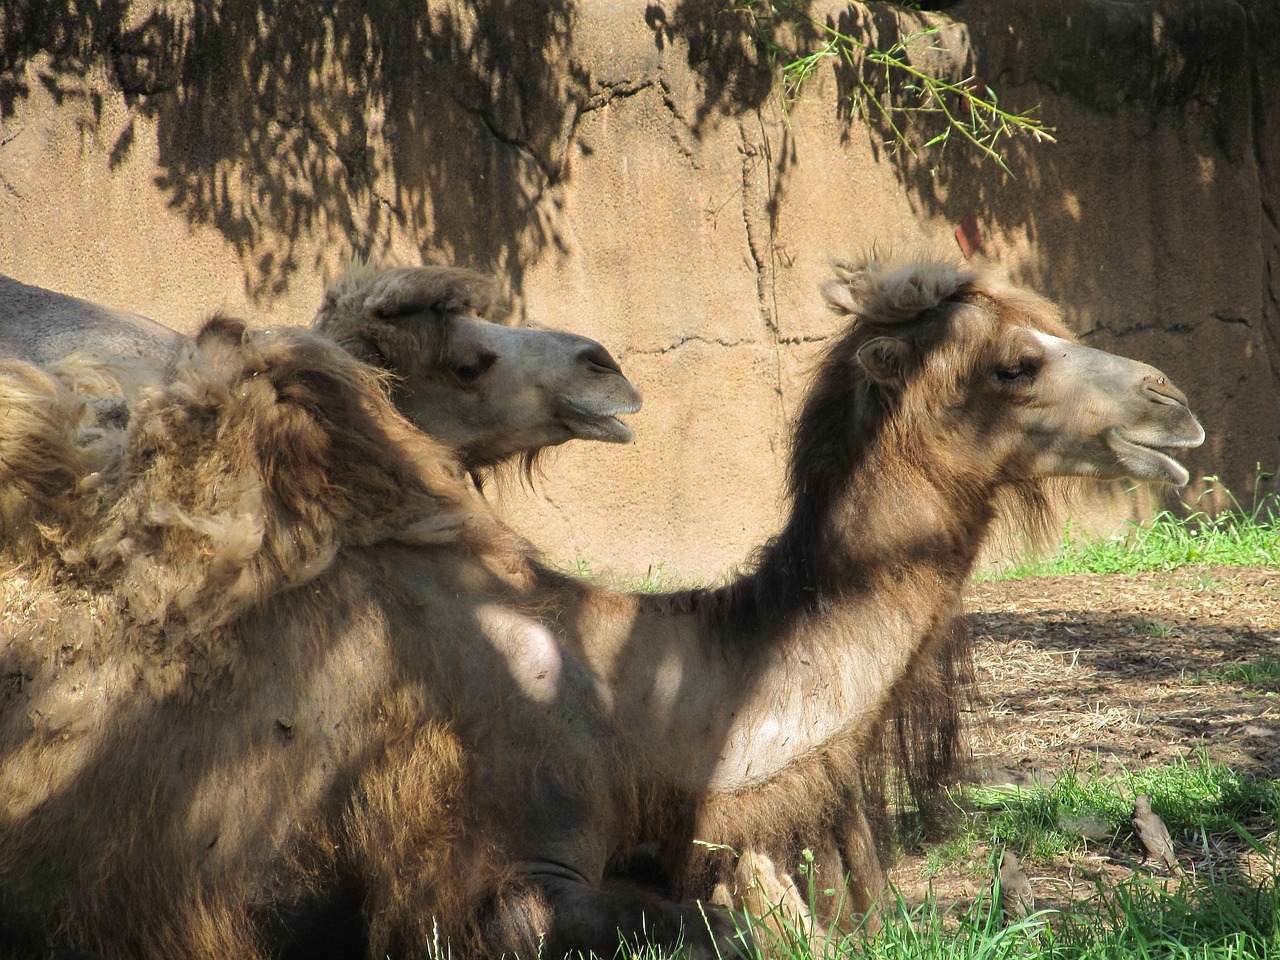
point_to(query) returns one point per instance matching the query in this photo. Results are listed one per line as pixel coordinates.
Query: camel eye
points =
(471, 372)
(1024, 371)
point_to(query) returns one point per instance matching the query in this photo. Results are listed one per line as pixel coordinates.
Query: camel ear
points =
(887, 360)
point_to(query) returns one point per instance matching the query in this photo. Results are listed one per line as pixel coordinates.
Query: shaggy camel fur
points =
(491, 391)
(280, 685)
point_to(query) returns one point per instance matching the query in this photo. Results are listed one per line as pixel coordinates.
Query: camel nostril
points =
(598, 358)
(1159, 389)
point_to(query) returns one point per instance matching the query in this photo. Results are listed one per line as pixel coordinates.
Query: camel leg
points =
(866, 877)
(771, 895)
(562, 915)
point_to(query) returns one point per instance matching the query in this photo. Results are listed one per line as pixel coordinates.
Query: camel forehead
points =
(1023, 323)
(1054, 346)
(1049, 342)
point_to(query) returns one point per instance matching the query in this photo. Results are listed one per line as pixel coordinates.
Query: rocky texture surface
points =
(628, 169)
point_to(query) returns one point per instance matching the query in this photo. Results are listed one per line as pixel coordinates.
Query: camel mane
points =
(241, 473)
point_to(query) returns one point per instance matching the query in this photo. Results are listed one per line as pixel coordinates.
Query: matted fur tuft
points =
(242, 474)
(359, 310)
(892, 290)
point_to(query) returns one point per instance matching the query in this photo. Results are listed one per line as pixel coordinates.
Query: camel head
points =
(490, 391)
(1001, 382)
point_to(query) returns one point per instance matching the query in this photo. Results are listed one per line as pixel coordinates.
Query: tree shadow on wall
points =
(283, 121)
(1163, 111)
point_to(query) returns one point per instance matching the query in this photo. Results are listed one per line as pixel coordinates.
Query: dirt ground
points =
(1114, 672)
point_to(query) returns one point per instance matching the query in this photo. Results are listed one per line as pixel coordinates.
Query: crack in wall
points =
(1139, 327)
(763, 251)
(752, 157)
(520, 146)
(608, 94)
(1232, 318)
(694, 338)
(669, 101)
(616, 90)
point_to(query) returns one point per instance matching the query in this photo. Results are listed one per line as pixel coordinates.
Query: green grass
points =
(1196, 797)
(655, 580)
(1212, 912)
(1210, 918)
(1151, 628)
(1263, 672)
(1233, 538)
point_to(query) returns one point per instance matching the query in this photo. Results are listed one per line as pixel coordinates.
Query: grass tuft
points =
(1263, 672)
(1194, 797)
(1233, 538)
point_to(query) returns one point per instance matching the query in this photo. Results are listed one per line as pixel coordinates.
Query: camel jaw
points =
(1144, 461)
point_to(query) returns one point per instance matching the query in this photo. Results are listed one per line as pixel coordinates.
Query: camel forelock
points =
(368, 309)
(891, 290)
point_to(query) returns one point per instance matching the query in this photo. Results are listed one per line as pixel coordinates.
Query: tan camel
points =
(278, 684)
(491, 391)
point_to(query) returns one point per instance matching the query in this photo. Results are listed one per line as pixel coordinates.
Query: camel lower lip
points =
(605, 428)
(620, 432)
(1149, 462)
(601, 424)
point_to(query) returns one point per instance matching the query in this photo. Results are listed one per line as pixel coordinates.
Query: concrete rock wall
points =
(629, 170)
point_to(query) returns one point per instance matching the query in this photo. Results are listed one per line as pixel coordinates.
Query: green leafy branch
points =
(967, 108)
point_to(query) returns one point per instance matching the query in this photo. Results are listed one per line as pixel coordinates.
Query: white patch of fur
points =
(533, 656)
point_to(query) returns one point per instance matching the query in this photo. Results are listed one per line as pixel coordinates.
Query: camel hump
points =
(892, 290)
(241, 473)
(42, 326)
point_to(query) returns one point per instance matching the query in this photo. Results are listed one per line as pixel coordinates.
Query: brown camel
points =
(278, 684)
(491, 391)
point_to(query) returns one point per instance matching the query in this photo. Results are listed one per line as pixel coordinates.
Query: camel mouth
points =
(603, 425)
(607, 429)
(1144, 462)
(598, 417)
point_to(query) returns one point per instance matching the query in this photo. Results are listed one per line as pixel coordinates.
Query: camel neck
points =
(861, 577)
(889, 522)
